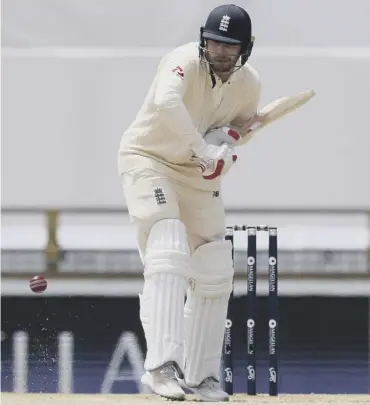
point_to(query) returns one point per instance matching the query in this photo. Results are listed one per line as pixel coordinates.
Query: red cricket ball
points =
(38, 284)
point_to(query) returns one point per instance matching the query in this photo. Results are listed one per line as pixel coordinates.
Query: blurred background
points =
(74, 74)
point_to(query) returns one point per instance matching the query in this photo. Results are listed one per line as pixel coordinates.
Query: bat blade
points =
(284, 105)
(277, 109)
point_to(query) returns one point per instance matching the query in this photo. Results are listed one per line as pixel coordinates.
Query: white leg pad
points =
(166, 261)
(206, 310)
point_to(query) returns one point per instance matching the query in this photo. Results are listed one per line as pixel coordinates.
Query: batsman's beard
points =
(222, 64)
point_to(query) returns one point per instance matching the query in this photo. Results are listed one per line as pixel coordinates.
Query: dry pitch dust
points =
(76, 399)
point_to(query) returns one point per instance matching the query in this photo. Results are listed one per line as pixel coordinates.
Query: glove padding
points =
(219, 162)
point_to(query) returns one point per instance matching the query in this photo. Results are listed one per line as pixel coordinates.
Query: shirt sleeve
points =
(250, 101)
(173, 78)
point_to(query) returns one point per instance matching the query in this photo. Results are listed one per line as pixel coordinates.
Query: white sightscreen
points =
(74, 74)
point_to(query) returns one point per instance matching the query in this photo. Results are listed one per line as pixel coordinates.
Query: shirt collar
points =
(215, 81)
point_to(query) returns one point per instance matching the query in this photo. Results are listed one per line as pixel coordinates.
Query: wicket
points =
(251, 312)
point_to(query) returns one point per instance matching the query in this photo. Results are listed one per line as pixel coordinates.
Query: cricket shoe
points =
(163, 381)
(208, 390)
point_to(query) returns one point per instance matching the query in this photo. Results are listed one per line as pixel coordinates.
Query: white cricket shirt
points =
(181, 106)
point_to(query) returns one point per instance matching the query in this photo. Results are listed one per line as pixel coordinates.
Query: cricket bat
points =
(276, 110)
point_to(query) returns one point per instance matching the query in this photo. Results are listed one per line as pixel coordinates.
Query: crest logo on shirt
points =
(224, 24)
(159, 196)
(179, 71)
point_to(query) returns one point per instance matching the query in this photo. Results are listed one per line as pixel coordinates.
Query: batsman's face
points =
(222, 57)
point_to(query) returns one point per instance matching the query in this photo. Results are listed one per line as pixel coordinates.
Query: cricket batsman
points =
(171, 161)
